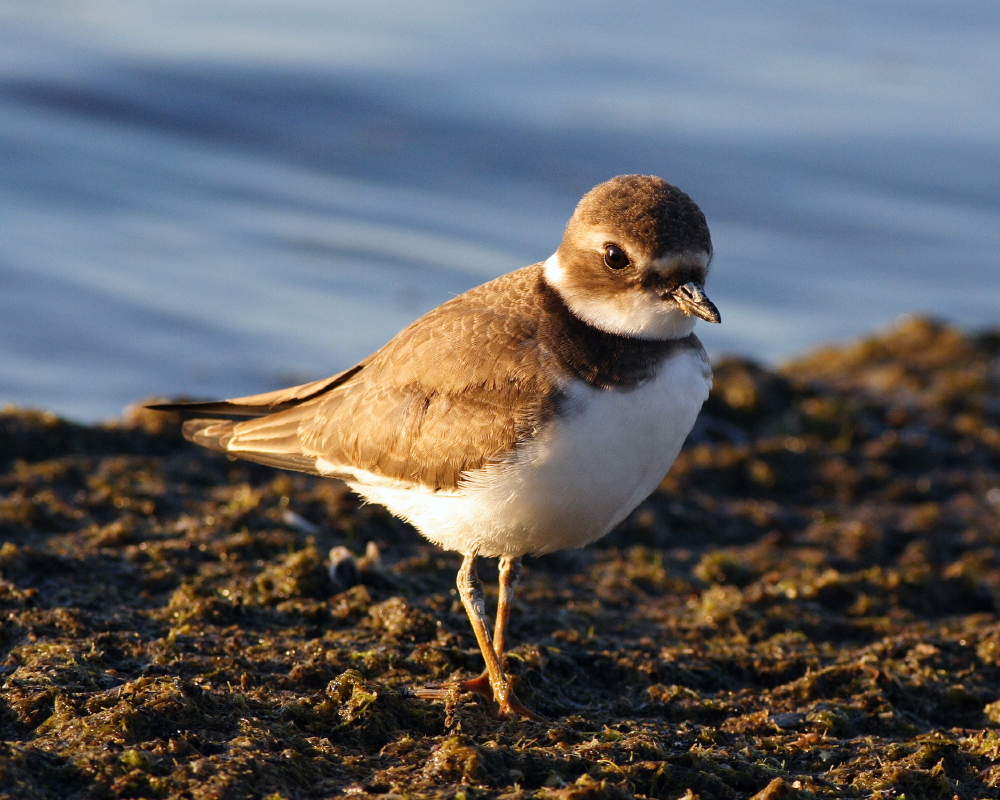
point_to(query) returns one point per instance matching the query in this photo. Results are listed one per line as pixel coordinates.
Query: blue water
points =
(216, 198)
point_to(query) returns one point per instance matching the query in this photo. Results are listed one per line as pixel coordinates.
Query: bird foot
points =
(506, 708)
(512, 708)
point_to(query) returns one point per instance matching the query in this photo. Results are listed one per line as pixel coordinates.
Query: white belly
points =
(593, 465)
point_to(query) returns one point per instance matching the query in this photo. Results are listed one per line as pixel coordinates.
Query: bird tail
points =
(210, 433)
(225, 437)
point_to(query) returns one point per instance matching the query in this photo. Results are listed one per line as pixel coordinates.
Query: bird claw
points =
(512, 708)
(508, 707)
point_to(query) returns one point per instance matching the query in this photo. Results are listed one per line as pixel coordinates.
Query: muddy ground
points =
(807, 607)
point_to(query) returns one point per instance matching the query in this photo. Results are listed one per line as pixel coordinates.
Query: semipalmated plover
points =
(529, 414)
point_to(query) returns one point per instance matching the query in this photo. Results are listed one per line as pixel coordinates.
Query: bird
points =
(529, 414)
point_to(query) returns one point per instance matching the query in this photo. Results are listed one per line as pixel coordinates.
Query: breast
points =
(606, 454)
(601, 456)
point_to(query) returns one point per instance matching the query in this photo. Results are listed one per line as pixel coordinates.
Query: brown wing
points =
(456, 389)
(257, 405)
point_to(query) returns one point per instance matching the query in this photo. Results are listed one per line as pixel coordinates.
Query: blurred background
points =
(219, 197)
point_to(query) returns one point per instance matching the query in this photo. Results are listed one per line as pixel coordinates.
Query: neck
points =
(599, 357)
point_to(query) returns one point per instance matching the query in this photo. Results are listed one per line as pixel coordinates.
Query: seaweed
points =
(807, 607)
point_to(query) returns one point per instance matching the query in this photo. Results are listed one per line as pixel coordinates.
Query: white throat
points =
(635, 314)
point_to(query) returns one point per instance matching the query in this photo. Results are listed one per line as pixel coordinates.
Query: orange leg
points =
(493, 683)
(510, 576)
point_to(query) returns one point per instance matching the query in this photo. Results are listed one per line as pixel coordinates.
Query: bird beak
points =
(695, 303)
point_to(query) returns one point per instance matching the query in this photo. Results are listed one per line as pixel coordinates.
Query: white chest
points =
(594, 464)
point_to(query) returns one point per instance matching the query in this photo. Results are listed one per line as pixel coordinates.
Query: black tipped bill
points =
(694, 302)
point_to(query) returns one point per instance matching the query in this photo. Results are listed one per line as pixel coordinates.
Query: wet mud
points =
(807, 607)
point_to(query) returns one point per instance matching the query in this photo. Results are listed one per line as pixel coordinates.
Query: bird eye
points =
(615, 257)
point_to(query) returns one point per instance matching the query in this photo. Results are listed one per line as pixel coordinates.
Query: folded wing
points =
(457, 389)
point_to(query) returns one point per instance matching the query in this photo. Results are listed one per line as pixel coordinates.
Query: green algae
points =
(806, 608)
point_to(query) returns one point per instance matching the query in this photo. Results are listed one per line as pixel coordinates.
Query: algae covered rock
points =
(806, 607)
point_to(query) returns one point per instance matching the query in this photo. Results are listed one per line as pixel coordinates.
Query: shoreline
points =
(811, 596)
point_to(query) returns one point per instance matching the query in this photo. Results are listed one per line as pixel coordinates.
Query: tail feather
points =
(219, 436)
(259, 405)
(272, 437)
(209, 433)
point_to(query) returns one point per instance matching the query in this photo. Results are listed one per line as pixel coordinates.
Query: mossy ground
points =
(807, 607)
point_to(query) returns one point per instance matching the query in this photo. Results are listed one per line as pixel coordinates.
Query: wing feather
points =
(458, 388)
(258, 405)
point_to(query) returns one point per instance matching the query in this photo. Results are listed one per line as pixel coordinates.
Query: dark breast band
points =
(601, 359)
